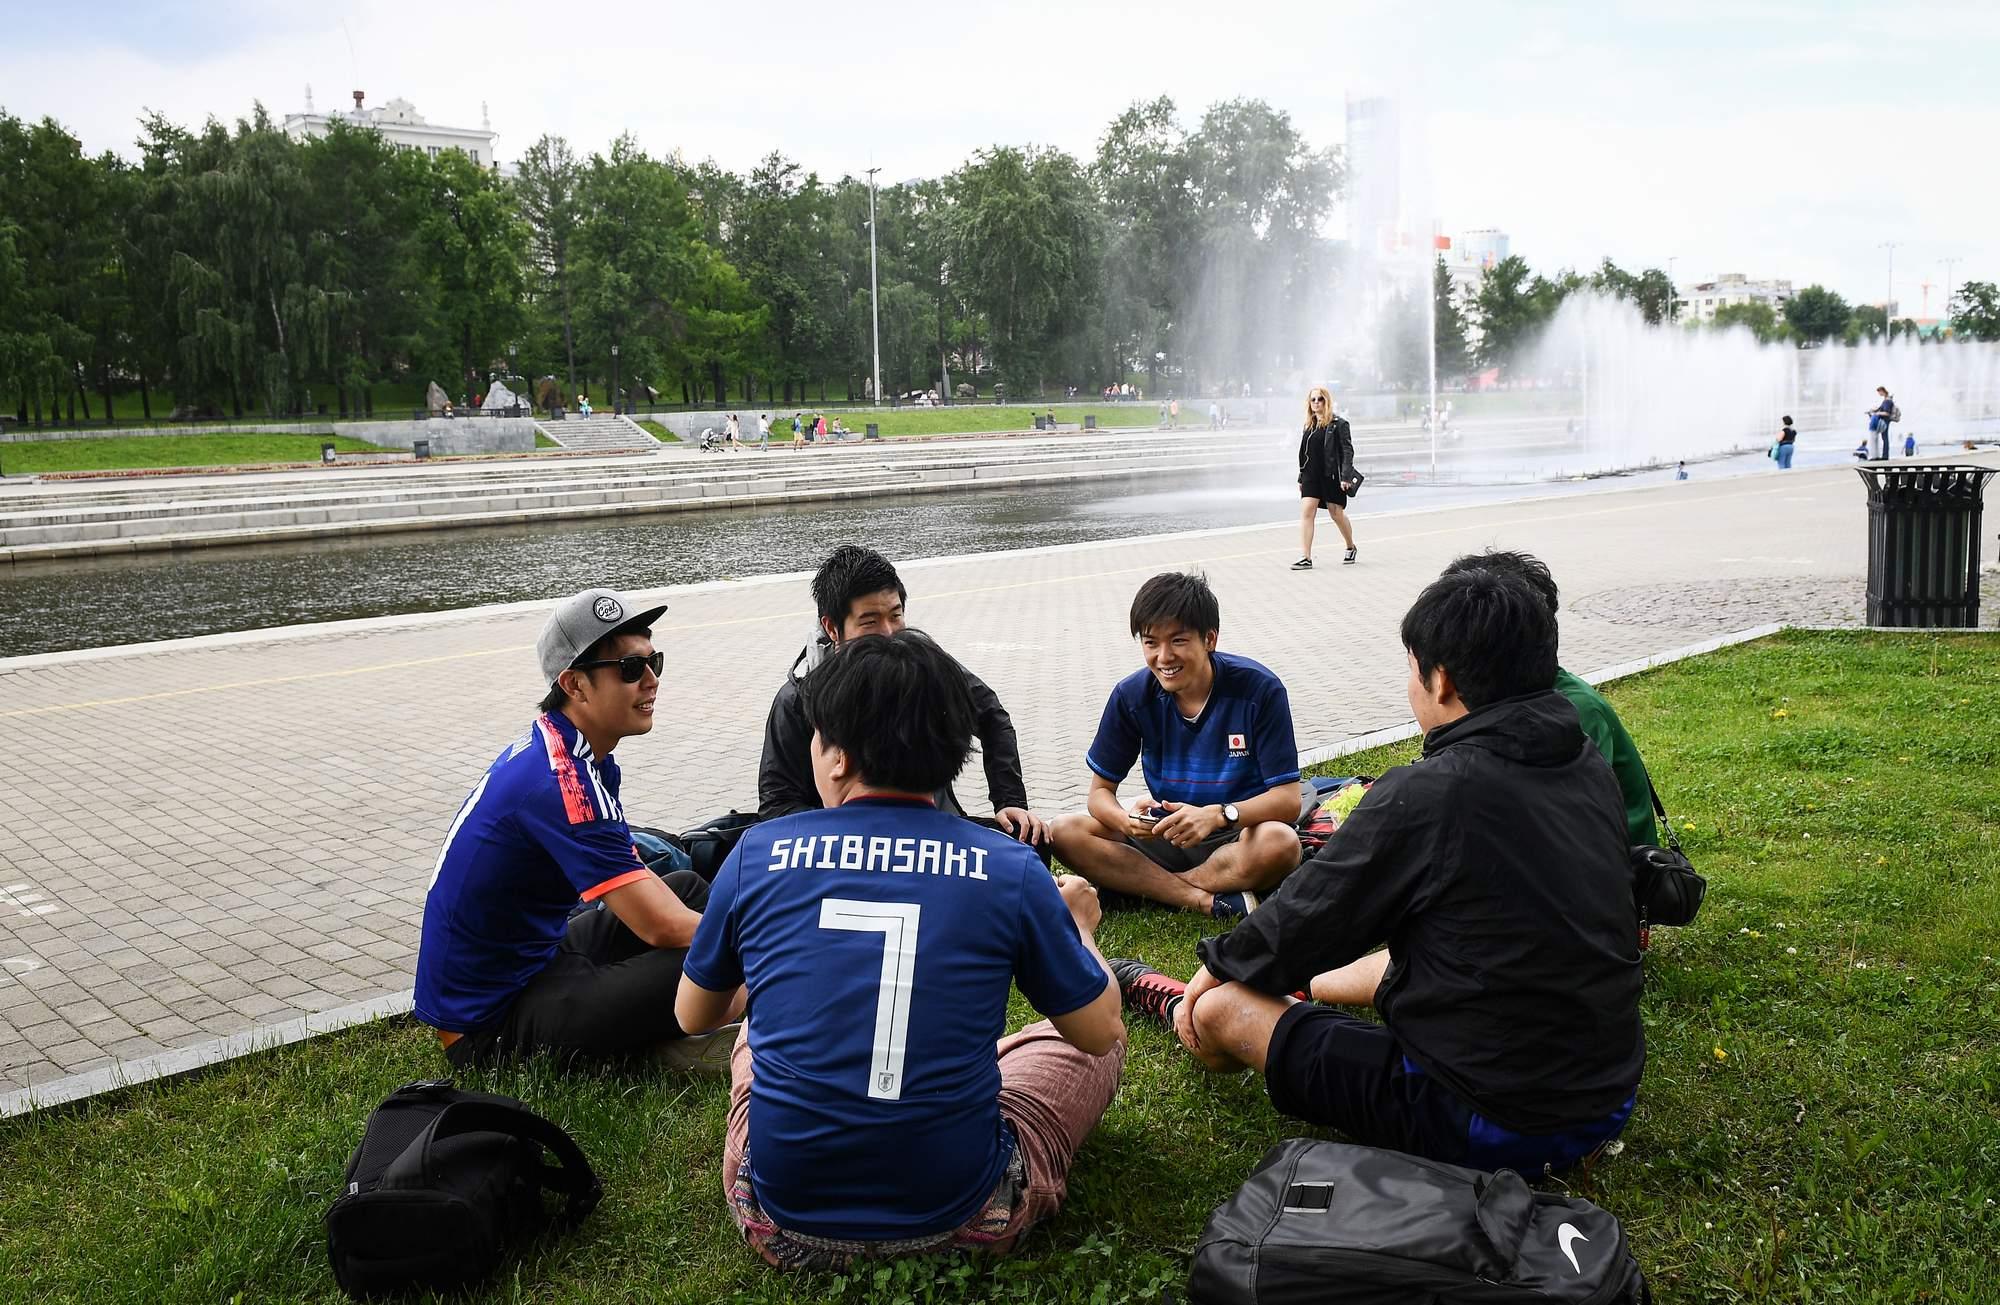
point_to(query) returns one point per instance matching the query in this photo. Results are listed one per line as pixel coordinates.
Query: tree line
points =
(241, 271)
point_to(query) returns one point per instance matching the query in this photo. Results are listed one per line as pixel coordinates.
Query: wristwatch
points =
(1230, 815)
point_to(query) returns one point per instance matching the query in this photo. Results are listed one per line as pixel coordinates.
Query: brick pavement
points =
(230, 833)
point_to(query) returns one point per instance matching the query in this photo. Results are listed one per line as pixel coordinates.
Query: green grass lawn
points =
(657, 431)
(113, 453)
(1819, 1121)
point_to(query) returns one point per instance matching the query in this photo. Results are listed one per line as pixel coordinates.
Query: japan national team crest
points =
(1239, 746)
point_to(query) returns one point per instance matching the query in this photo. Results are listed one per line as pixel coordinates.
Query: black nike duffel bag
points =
(1328, 1223)
(443, 1184)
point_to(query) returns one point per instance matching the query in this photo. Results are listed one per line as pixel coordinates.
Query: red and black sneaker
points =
(1146, 991)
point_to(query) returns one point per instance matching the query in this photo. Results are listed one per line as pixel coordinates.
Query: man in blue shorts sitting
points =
(875, 1109)
(1213, 734)
(1495, 869)
(502, 969)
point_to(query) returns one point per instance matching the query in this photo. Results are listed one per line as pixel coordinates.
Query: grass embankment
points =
(653, 428)
(1818, 1120)
(116, 453)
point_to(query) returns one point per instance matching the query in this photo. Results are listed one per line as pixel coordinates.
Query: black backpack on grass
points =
(1329, 1223)
(443, 1184)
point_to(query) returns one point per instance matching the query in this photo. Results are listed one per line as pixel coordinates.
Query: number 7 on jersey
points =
(897, 923)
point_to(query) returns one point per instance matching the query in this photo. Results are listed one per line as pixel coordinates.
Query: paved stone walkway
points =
(226, 834)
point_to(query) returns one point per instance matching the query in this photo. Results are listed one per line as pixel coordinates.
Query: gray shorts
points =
(1180, 860)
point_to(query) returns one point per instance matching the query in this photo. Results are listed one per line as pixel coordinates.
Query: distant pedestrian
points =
(1879, 418)
(1788, 438)
(582, 405)
(819, 426)
(734, 432)
(764, 431)
(1163, 414)
(1326, 474)
(798, 431)
(1680, 471)
(1174, 415)
(1214, 415)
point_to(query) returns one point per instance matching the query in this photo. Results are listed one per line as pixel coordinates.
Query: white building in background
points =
(1700, 300)
(1471, 256)
(402, 126)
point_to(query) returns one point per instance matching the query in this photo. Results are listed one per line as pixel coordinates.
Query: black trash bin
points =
(1090, 421)
(1923, 543)
(874, 431)
(327, 452)
(421, 448)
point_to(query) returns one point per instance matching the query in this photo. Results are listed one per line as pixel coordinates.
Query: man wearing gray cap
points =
(503, 970)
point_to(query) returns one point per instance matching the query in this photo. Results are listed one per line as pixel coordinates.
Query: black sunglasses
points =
(631, 668)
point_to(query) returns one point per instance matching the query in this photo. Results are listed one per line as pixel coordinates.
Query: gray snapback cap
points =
(581, 620)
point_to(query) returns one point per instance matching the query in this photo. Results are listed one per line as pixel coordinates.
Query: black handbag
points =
(1668, 888)
(1354, 479)
(1330, 1223)
(443, 1184)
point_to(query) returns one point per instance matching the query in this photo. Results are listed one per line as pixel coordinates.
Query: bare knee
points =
(1271, 851)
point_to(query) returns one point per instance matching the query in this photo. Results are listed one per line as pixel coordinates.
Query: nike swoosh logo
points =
(1565, 1236)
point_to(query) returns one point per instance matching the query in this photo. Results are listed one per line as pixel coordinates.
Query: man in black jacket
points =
(857, 593)
(1495, 869)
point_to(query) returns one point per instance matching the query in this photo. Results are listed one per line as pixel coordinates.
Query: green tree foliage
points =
(1023, 248)
(1508, 312)
(1650, 289)
(1760, 317)
(1816, 315)
(1454, 356)
(547, 188)
(1975, 311)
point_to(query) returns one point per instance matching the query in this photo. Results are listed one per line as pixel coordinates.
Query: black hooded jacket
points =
(1496, 870)
(784, 774)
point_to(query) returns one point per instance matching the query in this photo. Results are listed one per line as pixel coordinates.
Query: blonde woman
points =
(1326, 474)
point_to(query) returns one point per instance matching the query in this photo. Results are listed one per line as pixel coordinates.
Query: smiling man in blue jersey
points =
(1212, 733)
(502, 969)
(875, 1108)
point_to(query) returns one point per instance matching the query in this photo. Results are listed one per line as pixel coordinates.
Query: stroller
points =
(711, 440)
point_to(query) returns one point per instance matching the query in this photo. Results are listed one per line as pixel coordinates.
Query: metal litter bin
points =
(1923, 543)
(874, 432)
(422, 448)
(327, 453)
(1090, 421)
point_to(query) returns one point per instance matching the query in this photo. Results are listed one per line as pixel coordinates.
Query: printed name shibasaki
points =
(902, 856)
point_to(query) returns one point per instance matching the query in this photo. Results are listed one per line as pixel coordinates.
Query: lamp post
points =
(614, 379)
(1889, 301)
(874, 308)
(1949, 264)
(1673, 290)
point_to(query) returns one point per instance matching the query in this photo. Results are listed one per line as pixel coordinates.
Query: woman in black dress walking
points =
(1326, 474)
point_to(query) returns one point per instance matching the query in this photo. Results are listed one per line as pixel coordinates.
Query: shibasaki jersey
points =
(879, 940)
(541, 829)
(1240, 746)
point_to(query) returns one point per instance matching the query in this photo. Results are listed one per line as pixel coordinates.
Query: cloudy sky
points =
(1763, 136)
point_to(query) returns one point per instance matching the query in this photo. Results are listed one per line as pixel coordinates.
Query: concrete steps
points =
(80, 522)
(601, 432)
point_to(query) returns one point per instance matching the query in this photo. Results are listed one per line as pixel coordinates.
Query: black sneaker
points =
(1303, 564)
(1233, 906)
(1146, 991)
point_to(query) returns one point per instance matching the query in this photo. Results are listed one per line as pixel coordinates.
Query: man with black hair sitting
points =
(1495, 868)
(875, 1109)
(1600, 723)
(503, 970)
(857, 592)
(1212, 733)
